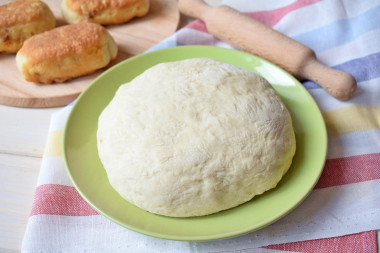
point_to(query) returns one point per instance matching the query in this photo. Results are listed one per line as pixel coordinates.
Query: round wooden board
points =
(132, 38)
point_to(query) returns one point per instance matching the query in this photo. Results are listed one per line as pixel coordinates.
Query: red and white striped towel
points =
(341, 214)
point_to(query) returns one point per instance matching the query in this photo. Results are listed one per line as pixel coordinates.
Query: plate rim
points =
(211, 237)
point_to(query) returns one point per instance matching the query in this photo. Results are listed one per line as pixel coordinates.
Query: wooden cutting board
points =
(132, 38)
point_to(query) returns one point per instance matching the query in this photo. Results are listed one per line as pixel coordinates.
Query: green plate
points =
(90, 179)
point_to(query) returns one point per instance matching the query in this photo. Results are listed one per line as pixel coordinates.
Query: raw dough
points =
(195, 137)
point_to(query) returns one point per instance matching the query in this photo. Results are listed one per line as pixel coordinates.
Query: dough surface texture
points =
(195, 137)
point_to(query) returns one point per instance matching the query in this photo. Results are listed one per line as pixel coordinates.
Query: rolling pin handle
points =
(339, 84)
(194, 8)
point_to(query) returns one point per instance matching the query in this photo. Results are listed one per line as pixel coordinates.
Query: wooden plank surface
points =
(23, 131)
(19, 176)
(132, 38)
(23, 135)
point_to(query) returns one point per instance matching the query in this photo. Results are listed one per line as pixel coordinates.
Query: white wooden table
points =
(23, 133)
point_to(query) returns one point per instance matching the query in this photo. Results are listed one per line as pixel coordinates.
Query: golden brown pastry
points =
(22, 19)
(66, 52)
(103, 12)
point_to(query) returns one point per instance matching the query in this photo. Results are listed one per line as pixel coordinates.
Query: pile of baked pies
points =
(46, 53)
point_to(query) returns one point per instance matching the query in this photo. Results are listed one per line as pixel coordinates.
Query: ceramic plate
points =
(90, 179)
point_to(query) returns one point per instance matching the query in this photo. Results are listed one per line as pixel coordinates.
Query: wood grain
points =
(132, 38)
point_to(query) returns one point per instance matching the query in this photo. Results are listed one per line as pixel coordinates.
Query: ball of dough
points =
(195, 137)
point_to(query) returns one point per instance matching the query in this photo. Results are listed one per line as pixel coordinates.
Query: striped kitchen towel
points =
(341, 214)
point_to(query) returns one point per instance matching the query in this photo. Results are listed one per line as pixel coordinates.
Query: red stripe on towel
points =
(56, 199)
(365, 242)
(272, 17)
(349, 170)
(64, 200)
(269, 17)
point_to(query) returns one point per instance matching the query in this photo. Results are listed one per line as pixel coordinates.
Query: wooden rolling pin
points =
(256, 38)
